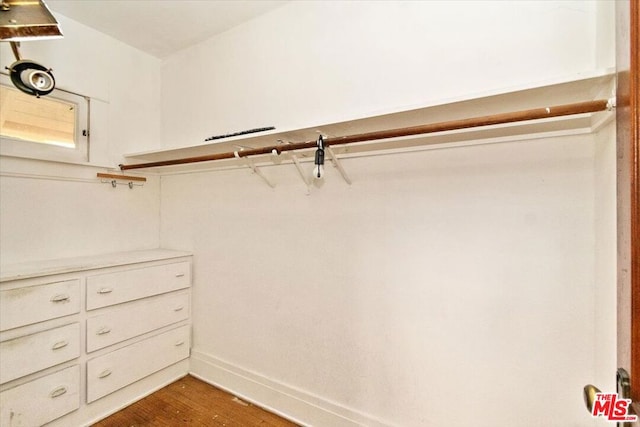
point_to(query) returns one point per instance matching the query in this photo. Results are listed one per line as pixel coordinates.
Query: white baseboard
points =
(296, 405)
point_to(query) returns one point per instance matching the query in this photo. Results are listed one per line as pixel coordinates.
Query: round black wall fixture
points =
(32, 78)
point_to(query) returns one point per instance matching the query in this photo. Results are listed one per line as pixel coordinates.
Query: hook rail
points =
(496, 119)
(111, 178)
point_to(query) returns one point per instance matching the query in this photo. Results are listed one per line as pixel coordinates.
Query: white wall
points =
(451, 287)
(605, 259)
(315, 62)
(45, 215)
(58, 211)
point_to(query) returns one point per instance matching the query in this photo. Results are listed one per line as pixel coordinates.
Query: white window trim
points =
(33, 150)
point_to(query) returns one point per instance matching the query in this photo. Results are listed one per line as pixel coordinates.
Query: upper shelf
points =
(599, 84)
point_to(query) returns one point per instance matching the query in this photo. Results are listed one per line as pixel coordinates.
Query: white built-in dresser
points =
(81, 338)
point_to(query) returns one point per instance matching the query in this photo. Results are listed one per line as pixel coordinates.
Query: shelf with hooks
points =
(118, 179)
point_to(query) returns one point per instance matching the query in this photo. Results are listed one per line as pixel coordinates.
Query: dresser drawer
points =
(41, 401)
(24, 306)
(31, 353)
(114, 288)
(135, 319)
(108, 373)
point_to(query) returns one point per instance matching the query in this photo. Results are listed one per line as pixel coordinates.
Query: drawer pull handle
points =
(178, 308)
(105, 373)
(104, 330)
(59, 345)
(58, 392)
(105, 290)
(179, 343)
(60, 298)
(180, 275)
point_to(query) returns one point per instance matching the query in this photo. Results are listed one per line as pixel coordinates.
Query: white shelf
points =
(597, 85)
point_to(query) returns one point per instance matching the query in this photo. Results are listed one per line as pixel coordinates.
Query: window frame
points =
(14, 147)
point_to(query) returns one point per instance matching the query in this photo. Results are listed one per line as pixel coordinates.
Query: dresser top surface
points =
(32, 269)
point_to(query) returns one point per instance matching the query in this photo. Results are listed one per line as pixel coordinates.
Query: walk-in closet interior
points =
(454, 265)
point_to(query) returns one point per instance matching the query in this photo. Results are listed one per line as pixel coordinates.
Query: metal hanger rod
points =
(496, 119)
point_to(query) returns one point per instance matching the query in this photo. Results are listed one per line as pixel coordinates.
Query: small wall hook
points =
(113, 179)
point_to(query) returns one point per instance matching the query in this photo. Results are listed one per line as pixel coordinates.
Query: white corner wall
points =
(52, 210)
(449, 287)
(436, 285)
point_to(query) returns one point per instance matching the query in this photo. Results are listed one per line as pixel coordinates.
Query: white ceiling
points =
(161, 27)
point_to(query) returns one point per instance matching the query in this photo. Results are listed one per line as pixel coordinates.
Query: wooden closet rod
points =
(121, 177)
(496, 119)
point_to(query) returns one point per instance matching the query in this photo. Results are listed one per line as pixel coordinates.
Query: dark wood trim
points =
(628, 189)
(634, 107)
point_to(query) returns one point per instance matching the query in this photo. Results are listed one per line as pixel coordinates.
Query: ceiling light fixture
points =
(22, 20)
(29, 76)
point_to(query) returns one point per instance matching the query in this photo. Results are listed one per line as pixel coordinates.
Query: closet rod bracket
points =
(296, 162)
(336, 162)
(258, 172)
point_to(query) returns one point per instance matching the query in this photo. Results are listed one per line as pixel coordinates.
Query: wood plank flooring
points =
(191, 402)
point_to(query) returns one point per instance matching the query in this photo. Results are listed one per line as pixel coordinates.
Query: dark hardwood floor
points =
(191, 402)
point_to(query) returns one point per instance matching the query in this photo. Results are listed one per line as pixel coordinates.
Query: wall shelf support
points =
(338, 165)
